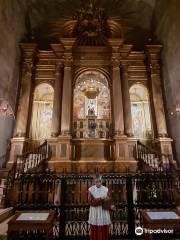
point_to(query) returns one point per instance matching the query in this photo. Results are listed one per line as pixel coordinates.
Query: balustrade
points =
(152, 158)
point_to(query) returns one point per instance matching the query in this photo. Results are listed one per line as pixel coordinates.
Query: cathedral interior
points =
(89, 86)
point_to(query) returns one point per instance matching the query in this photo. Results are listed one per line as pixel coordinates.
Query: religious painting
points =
(104, 104)
(140, 110)
(79, 104)
(42, 112)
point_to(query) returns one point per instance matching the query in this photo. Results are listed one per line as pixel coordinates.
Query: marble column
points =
(56, 118)
(67, 96)
(126, 100)
(25, 100)
(154, 55)
(117, 99)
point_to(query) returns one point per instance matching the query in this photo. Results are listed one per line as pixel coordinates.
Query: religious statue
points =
(91, 20)
(91, 111)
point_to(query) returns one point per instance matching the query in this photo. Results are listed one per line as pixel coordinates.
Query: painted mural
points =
(91, 93)
(140, 110)
(42, 112)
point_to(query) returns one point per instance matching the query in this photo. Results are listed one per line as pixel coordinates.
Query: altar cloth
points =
(33, 217)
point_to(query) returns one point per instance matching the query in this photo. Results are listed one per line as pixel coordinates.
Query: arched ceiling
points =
(135, 14)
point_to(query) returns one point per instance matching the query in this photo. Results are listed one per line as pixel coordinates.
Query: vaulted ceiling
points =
(135, 14)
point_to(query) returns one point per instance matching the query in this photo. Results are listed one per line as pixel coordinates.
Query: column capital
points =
(124, 64)
(27, 67)
(28, 51)
(68, 43)
(115, 62)
(124, 70)
(115, 43)
(125, 50)
(68, 60)
(59, 65)
(58, 50)
(153, 52)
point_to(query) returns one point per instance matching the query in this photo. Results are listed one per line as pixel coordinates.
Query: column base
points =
(124, 157)
(17, 147)
(125, 166)
(20, 135)
(54, 135)
(60, 151)
(61, 166)
(164, 145)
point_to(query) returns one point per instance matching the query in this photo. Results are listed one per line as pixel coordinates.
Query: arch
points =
(91, 103)
(98, 85)
(140, 110)
(42, 111)
(101, 71)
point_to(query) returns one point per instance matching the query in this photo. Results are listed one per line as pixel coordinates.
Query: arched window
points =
(140, 109)
(42, 112)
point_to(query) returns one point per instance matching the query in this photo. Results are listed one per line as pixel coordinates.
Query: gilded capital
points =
(115, 62)
(68, 60)
(124, 65)
(59, 65)
(153, 52)
(29, 51)
(27, 68)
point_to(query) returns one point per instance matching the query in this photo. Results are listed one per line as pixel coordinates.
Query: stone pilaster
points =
(25, 100)
(118, 117)
(162, 142)
(56, 118)
(154, 55)
(122, 146)
(126, 100)
(67, 97)
(66, 119)
(117, 99)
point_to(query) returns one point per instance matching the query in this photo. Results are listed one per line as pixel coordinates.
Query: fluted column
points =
(117, 98)
(25, 100)
(126, 100)
(154, 55)
(56, 118)
(67, 96)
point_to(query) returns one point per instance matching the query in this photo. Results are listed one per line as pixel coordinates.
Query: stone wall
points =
(12, 29)
(166, 23)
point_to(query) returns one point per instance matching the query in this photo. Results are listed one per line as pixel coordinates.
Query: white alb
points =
(97, 215)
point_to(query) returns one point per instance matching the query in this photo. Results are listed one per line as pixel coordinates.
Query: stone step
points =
(6, 213)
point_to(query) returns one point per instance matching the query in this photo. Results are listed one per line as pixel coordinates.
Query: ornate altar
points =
(91, 70)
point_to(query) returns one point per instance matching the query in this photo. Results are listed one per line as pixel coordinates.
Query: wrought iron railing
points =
(153, 159)
(28, 162)
(68, 196)
(31, 160)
